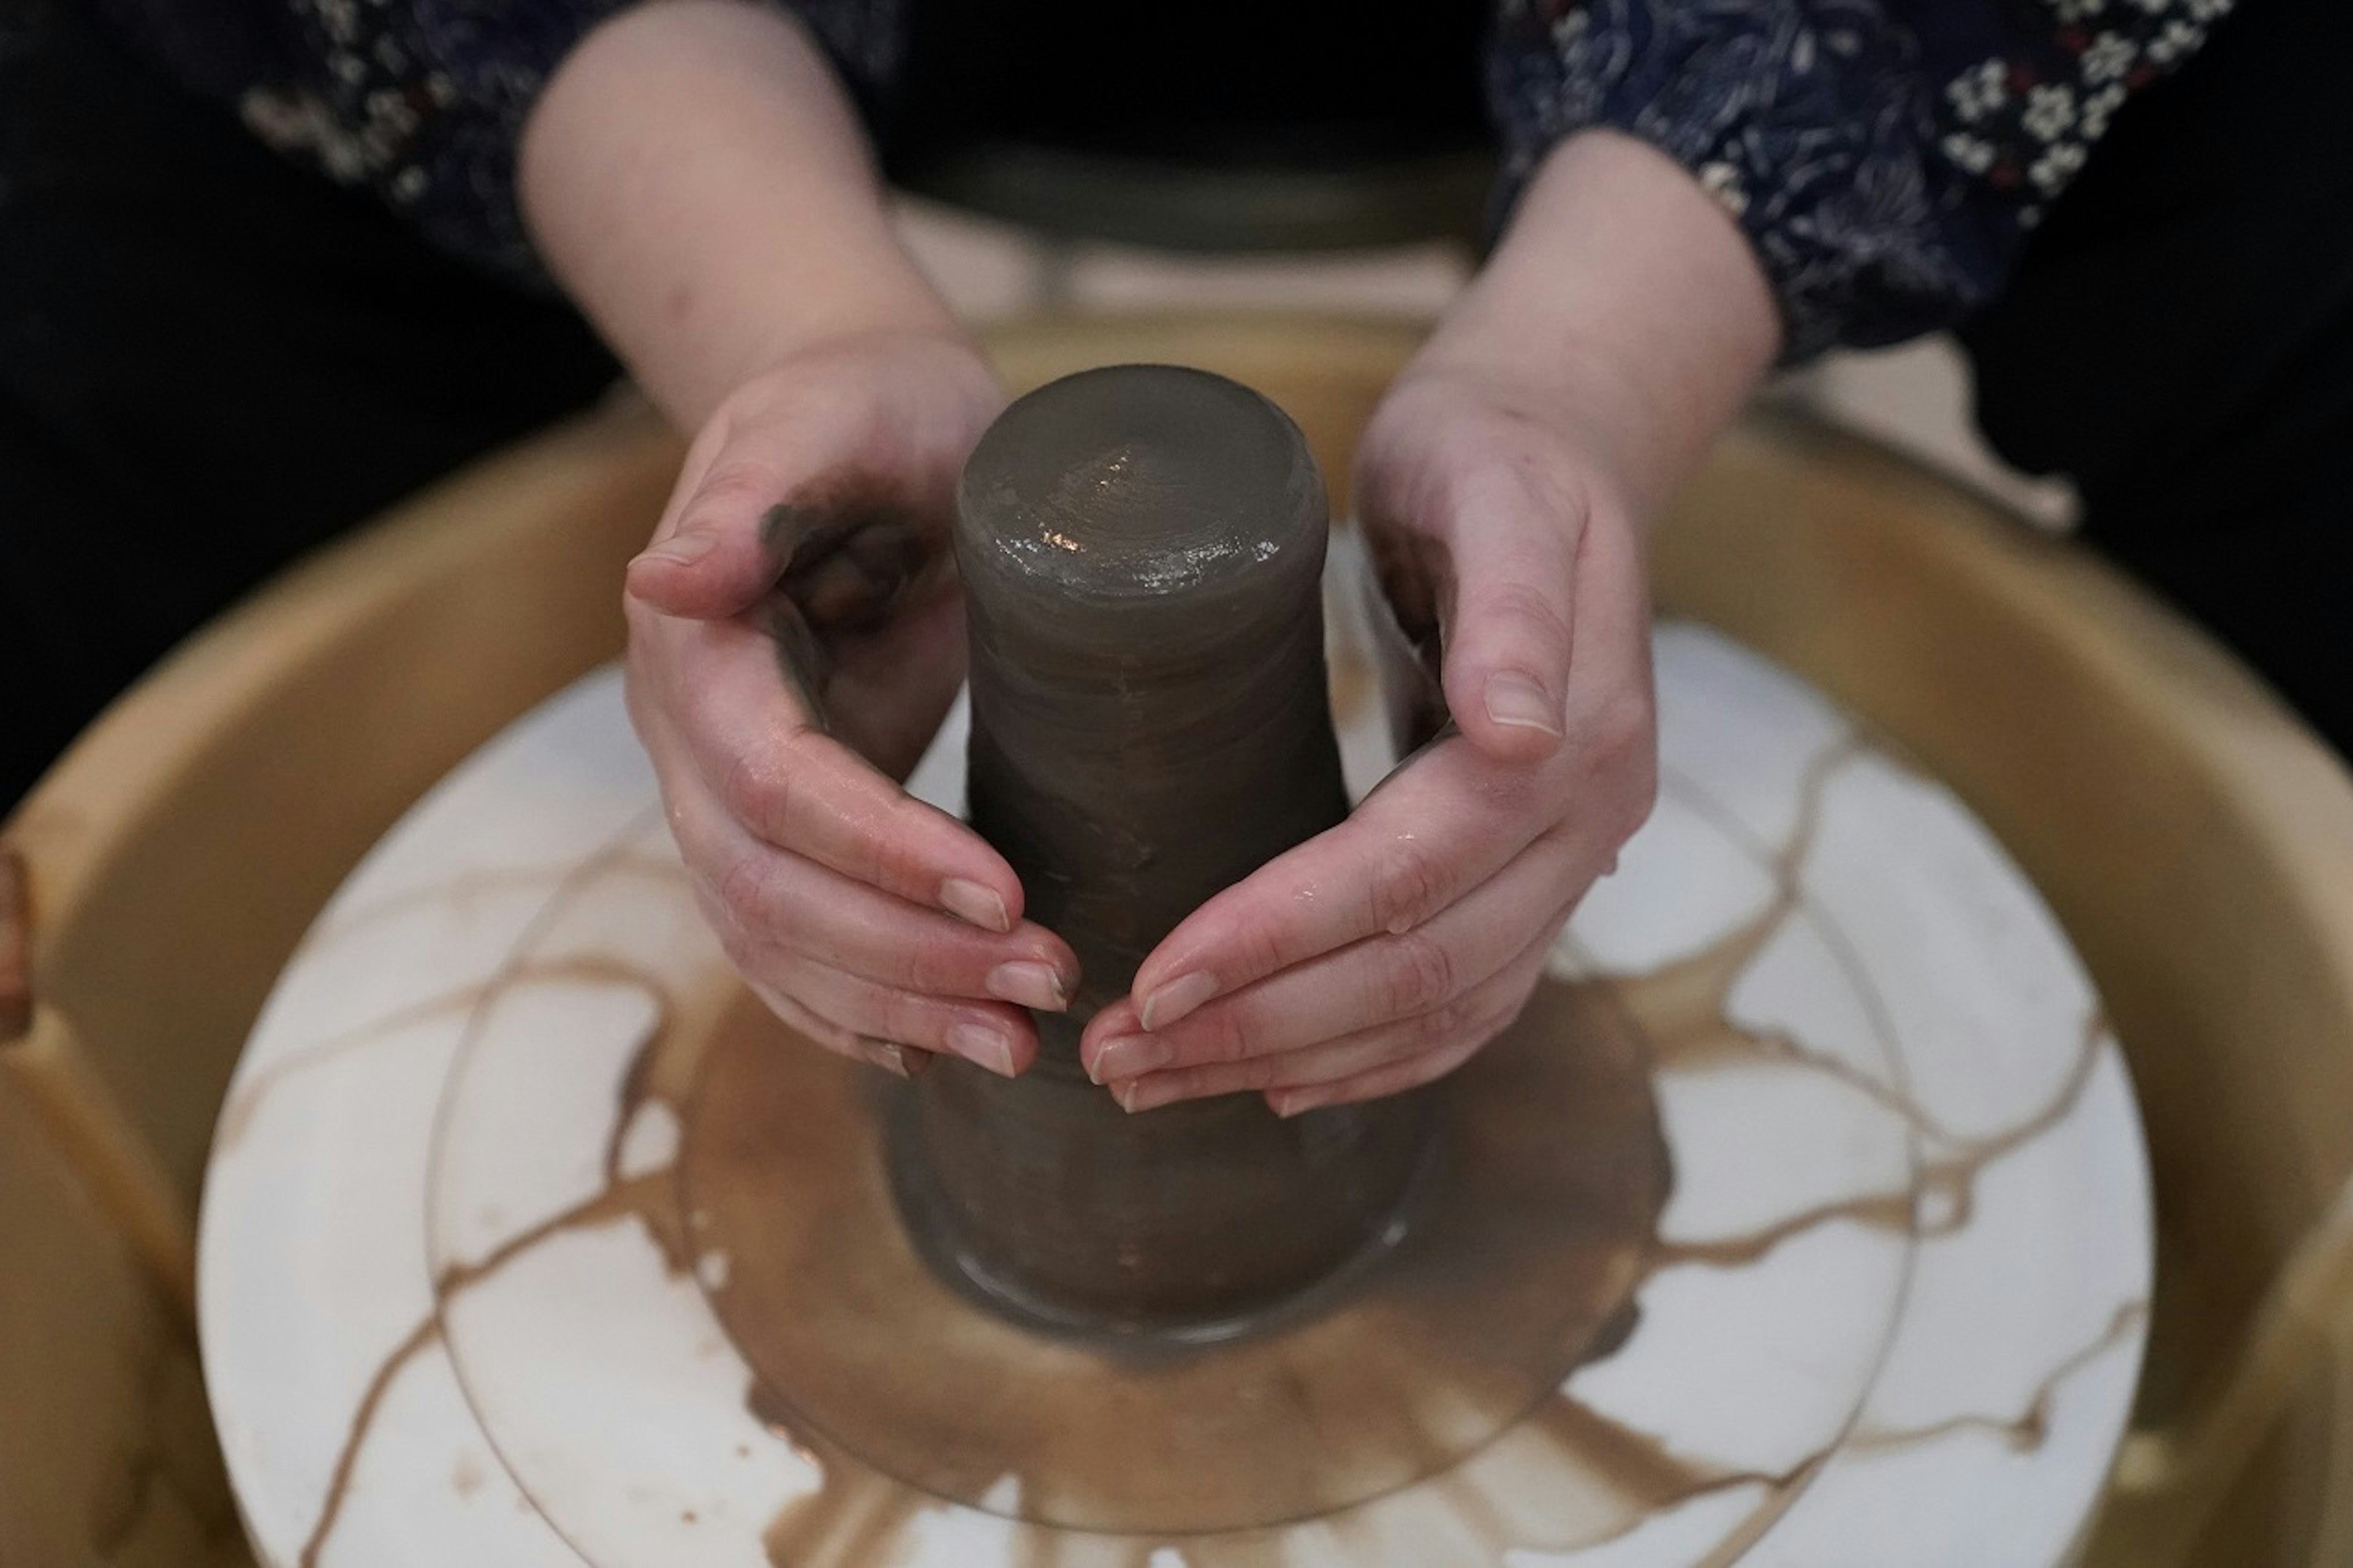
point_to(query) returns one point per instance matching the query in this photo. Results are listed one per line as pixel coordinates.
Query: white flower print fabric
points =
(1885, 158)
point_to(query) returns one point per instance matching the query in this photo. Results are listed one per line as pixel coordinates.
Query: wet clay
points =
(1142, 549)
(1517, 1262)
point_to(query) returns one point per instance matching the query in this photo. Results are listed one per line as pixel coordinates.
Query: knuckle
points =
(1528, 615)
(730, 492)
(1621, 734)
(1220, 1034)
(865, 1006)
(904, 1017)
(925, 970)
(892, 857)
(1449, 1022)
(743, 895)
(1259, 946)
(1623, 757)
(1408, 886)
(1418, 973)
(754, 792)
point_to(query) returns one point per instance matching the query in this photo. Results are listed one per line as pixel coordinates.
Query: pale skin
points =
(696, 179)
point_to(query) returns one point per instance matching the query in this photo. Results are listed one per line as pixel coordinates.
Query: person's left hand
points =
(1382, 954)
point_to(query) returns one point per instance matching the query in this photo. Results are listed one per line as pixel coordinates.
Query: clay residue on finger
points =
(801, 658)
(850, 550)
(1408, 620)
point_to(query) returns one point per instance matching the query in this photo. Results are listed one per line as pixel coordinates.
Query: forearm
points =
(1623, 303)
(696, 179)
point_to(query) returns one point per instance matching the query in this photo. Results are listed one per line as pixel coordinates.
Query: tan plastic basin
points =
(2196, 841)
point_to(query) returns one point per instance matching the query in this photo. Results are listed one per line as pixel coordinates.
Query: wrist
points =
(938, 364)
(695, 177)
(1623, 310)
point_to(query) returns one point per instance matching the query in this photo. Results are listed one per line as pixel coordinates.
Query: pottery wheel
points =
(1803, 1219)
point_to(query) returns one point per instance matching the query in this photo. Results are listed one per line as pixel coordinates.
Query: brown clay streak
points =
(856, 1518)
(1681, 1005)
(1775, 1046)
(1684, 1005)
(622, 1200)
(471, 884)
(2031, 1428)
(1685, 1008)
(1652, 1479)
(1953, 1177)
(1958, 1172)
(2027, 1432)
(339, 1484)
(632, 1198)
(615, 1201)
(589, 968)
(1766, 1514)
(636, 1086)
(1879, 1211)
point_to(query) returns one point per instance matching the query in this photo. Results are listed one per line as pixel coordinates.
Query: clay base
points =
(1518, 1262)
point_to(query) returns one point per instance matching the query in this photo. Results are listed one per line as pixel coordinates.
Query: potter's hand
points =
(695, 176)
(1384, 953)
(795, 637)
(1502, 486)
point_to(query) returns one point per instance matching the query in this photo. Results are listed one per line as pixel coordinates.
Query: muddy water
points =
(1515, 1264)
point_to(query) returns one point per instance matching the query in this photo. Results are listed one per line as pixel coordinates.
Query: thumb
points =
(720, 559)
(1505, 667)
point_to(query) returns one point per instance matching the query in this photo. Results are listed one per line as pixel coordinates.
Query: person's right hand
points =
(795, 636)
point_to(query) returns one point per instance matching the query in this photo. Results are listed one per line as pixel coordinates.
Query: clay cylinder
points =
(1142, 549)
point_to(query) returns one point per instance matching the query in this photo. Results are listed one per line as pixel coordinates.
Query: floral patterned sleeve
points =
(1885, 158)
(423, 100)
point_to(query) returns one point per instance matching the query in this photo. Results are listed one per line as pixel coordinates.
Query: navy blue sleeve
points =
(1885, 158)
(424, 102)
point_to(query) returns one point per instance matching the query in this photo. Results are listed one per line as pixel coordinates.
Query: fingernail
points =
(975, 905)
(1287, 1105)
(1029, 985)
(983, 1047)
(1146, 1093)
(680, 548)
(1518, 702)
(1129, 1056)
(1178, 997)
